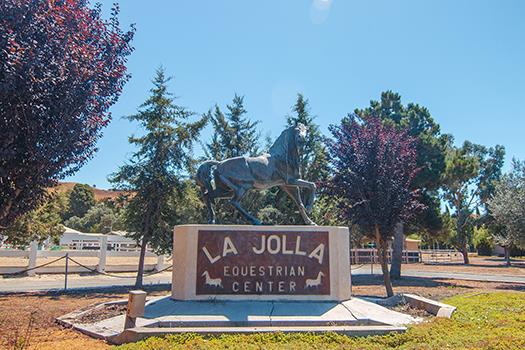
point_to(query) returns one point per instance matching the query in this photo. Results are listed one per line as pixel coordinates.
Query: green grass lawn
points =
(482, 321)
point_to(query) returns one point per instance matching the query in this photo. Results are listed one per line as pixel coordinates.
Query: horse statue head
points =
(288, 145)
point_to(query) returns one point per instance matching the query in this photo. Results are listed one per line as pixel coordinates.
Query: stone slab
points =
(164, 315)
(366, 310)
(431, 306)
(243, 262)
(312, 314)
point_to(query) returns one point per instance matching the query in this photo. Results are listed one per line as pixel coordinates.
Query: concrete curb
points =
(433, 307)
(139, 333)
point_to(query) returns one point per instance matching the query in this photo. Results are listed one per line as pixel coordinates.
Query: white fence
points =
(33, 254)
(436, 256)
(369, 255)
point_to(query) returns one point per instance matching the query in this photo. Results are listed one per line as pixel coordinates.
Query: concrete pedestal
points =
(237, 262)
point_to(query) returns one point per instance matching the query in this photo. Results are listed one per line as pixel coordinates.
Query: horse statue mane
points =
(286, 147)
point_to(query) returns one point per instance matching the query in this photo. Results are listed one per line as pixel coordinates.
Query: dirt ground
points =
(17, 311)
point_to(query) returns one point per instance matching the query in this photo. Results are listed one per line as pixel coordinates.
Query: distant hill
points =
(100, 194)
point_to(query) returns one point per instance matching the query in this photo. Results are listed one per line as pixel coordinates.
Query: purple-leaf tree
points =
(374, 166)
(61, 67)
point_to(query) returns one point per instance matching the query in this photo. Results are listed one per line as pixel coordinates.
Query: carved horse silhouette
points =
(212, 282)
(234, 177)
(314, 282)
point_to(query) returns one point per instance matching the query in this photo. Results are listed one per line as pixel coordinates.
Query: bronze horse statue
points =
(232, 178)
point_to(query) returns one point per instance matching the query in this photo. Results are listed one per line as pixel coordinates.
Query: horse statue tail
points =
(204, 175)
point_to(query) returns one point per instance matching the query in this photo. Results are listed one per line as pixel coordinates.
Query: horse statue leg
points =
(295, 195)
(308, 185)
(210, 201)
(238, 194)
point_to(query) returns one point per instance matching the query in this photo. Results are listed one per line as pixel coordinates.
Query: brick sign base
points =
(261, 263)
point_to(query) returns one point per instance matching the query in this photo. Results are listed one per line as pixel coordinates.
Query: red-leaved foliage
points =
(61, 67)
(374, 166)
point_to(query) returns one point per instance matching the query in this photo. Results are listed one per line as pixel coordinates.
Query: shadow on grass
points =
(377, 280)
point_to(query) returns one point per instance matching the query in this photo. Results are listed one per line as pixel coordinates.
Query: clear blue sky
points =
(464, 60)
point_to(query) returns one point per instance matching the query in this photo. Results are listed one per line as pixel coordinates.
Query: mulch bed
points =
(102, 313)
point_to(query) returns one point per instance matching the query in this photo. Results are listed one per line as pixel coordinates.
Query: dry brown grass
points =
(100, 194)
(17, 311)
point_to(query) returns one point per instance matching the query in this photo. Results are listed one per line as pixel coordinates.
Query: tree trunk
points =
(140, 272)
(397, 251)
(507, 256)
(464, 251)
(382, 248)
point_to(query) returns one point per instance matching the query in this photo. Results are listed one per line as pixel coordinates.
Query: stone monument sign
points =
(261, 262)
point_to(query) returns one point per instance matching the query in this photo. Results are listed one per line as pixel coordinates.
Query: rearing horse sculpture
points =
(234, 177)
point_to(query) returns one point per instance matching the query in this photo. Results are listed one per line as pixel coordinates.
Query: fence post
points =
(33, 251)
(66, 271)
(160, 263)
(136, 304)
(102, 254)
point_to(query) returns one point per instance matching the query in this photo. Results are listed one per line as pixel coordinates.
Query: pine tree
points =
(234, 134)
(313, 165)
(156, 172)
(313, 162)
(81, 199)
(244, 133)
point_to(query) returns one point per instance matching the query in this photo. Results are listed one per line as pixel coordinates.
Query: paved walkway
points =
(56, 282)
(408, 272)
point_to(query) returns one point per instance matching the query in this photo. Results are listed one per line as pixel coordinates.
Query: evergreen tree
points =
(81, 199)
(313, 165)
(156, 172)
(313, 155)
(234, 135)
(244, 138)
